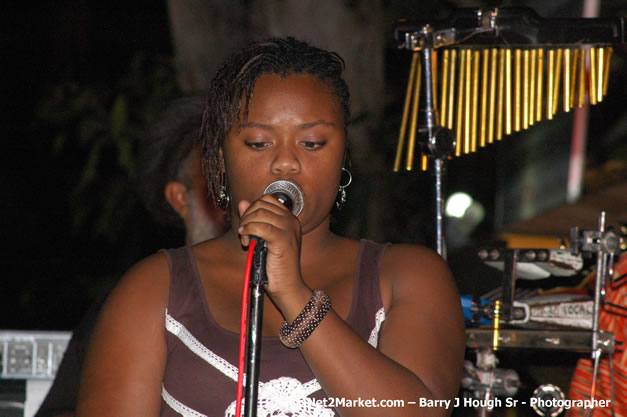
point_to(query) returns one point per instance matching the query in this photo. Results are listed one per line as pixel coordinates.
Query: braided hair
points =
(232, 87)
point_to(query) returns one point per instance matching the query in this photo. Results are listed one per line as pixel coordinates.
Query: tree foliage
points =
(96, 125)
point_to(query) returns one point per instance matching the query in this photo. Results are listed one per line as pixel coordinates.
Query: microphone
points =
(288, 194)
(291, 196)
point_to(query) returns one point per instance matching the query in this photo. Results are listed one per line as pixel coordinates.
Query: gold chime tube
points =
(525, 117)
(581, 97)
(567, 69)
(508, 91)
(556, 83)
(451, 90)
(424, 162)
(408, 95)
(500, 96)
(593, 75)
(434, 82)
(493, 64)
(409, 165)
(484, 96)
(497, 324)
(484, 105)
(517, 88)
(540, 80)
(459, 125)
(600, 72)
(532, 86)
(475, 100)
(573, 77)
(550, 73)
(444, 96)
(467, 99)
(606, 67)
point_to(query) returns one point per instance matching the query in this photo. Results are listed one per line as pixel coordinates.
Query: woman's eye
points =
(310, 144)
(257, 145)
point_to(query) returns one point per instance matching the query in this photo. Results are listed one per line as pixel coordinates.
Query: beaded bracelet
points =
(293, 335)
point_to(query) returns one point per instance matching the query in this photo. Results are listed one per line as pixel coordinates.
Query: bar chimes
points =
(496, 72)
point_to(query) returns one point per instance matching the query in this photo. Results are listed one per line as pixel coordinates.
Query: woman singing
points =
(362, 324)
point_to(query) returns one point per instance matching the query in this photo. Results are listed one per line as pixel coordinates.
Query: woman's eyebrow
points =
(254, 125)
(316, 123)
(303, 126)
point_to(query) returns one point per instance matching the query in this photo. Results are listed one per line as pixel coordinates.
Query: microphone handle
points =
(255, 311)
(259, 261)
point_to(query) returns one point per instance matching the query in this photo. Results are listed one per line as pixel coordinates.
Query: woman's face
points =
(294, 131)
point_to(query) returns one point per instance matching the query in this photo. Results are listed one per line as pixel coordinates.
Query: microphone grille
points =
(290, 190)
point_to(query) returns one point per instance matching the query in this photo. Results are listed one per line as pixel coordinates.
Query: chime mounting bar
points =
(508, 26)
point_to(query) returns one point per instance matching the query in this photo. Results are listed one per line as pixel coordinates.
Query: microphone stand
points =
(291, 196)
(437, 141)
(253, 333)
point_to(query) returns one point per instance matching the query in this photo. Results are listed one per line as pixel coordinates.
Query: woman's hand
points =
(271, 221)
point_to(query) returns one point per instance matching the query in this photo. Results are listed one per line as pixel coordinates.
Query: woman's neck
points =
(313, 242)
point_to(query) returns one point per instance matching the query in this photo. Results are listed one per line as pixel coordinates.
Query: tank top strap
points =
(367, 300)
(183, 282)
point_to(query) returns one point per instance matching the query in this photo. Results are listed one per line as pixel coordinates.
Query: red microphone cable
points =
(242, 330)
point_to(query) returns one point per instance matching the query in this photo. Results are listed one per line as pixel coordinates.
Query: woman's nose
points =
(285, 161)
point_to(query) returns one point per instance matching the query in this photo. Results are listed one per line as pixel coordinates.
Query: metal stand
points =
(440, 240)
(509, 284)
(486, 382)
(437, 142)
(606, 244)
(255, 324)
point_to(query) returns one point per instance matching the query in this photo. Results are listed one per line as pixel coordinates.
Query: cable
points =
(242, 329)
(618, 279)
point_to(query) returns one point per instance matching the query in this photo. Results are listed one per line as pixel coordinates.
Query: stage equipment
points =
(486, 382)
(573, 311)
(291, 196)
(288, 194)
(534, 264)
(504, 307)
(34, 357)
(476, 77)
(550, 339)
(605, 244)
(486, 73)
(548, 400)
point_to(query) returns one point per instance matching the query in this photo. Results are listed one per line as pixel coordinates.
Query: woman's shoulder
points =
(397, 259)
(415, 266)
(153, 267)
(146, 281)
(129, 333)
(404, 253)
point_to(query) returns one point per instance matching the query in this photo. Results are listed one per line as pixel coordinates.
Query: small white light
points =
(457, 204)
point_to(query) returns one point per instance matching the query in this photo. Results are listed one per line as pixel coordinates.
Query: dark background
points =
(53, 270)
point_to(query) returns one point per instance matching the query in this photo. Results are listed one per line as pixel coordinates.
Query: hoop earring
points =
(341, 198)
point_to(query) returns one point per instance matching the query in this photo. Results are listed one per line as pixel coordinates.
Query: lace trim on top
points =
(282, 396)
(177, 406)
(287, 397)
(374, 334)
(198, 348)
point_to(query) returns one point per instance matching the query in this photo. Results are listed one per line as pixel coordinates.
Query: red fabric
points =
(612, 320)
